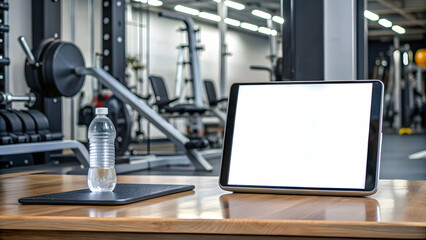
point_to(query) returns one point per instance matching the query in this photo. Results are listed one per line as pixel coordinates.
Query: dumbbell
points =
(6, 98)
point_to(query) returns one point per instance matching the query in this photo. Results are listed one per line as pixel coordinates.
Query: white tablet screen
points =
(304, 135)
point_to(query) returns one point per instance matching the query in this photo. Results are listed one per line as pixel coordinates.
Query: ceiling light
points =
(249, 26)
(232, 22)
(278, 19)
(234, 5)
(261, 14)
(155, 3)
(274, 32)
(398, 29)
(209, 16)
(385, 23)
(218, 1)
(187, 10)
(141, 1)
(370, 15)
(264, 30)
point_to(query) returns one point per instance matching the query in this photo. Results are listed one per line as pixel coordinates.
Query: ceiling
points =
(270, 6)
(410, 14)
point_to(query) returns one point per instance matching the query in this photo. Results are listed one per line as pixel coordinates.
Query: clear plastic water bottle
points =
(101, 134)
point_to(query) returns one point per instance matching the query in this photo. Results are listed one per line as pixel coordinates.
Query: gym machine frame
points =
(59, 68)
(197, 88)
(78, 148)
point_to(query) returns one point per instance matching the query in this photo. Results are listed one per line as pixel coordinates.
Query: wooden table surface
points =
(397, 210)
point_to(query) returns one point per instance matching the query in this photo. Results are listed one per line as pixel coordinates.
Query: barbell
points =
(53, 71)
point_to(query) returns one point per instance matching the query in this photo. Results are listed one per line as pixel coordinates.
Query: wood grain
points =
(397, 210)
(65, 235)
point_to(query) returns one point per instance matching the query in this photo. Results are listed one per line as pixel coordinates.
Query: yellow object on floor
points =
(405, 131)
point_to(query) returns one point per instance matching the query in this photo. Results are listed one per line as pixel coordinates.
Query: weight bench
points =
(164, 103)
(214, 101)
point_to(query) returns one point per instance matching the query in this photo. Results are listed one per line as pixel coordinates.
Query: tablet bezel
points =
(373, 155)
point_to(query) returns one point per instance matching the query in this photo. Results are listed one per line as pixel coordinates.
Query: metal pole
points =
(419, 83)
(6, 51)
(396, 58)
(72, 28)
(92, 39)
(223, 13)
(272, 48)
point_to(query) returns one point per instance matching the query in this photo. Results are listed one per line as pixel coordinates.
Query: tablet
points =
(303, 138)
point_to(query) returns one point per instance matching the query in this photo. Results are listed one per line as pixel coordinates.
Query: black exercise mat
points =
(122, 194)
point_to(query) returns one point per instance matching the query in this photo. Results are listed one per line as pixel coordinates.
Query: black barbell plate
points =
(4, 135)
(14, 126)
(3, 128)
(40, 120)
(42, 126)
(33, 76)
(46, 70)
(28, 125)
(61, 60)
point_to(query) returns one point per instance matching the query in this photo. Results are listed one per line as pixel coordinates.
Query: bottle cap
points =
(101, 110)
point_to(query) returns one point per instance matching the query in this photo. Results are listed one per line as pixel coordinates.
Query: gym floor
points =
(395, 163)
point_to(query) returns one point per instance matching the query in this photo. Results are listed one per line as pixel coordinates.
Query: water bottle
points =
(101, 134)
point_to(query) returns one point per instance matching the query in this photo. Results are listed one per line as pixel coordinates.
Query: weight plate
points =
(14, 127)
(28, 125)
(33, 75)
(60, 61)
(13, 124)
(3, 129)
(120, 117)
(28, 122)
(49, 88)
(41, 122)
(4, 135)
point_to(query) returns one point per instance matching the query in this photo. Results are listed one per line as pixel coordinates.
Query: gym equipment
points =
(72, 68)
(78, 148)
(163, 101)
(25, 126)
(194, 65)
(120, 117)
(264, 68)
(14, 127)
(54, 55)
(211, 94)
(41, 78)
(28, 126)
(6, 98)
(4, 135)
(275, 72)
(404, 94)
(214, 101)
(42, 126)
